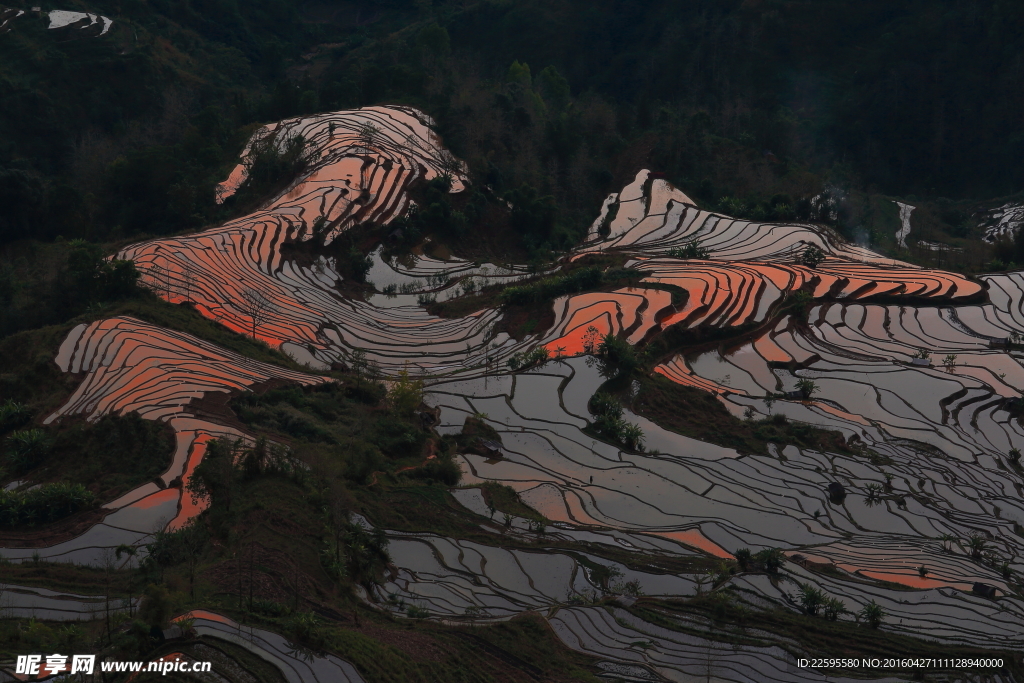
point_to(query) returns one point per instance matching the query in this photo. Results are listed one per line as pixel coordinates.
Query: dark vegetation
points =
(608, 422)
(573, 282)
(751, 108)
(129, 133)
(81, 464)
(349, 251)
(45, 504)
(73, 465)
(28, 373)
(269, 170)
(347, 423)
(62, 469)
(1008, 253)
(110, 456)
(114, 137)
(527, 305)
(716, 96)
(698, 414)
(44, 284)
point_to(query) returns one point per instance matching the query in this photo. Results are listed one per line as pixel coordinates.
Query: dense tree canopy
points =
(128, 133)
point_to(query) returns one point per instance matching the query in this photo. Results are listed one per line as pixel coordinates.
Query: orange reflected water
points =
(203, 614)
(694, 538)
(910, 579)
(908, 576)
(572, 344)
(187, 509)
(156, 499)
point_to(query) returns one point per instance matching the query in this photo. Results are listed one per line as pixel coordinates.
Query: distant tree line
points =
(751, 108)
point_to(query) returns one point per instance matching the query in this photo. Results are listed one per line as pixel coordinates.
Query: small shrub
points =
(618, 354)
(305, 629)
(414, 612)
(872, 614)
(605, 404)
(690, 250)
(527, 359)
(770, 560)
(832, 608)
(632, 436)
(405, 393)
(590, 338)
(609, 422)
(744, 558)
(977, 544)
(812, 257)
(13, 415)
(811, 599)
(27, 448)
(806, 387)
(799, 304)
(42, 505)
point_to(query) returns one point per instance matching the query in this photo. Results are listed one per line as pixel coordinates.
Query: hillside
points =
(128, 132)
(404, 342)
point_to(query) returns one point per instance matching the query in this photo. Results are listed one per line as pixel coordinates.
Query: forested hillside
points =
(127, 133)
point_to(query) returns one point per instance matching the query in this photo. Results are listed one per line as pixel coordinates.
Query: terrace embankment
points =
(110, 456)
(700, 415)
(529, 309)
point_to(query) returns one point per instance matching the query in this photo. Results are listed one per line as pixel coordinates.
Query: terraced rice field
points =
(128, 365)
(357, 178)
(61, 18)
(929, 442)
(58, 18)
(1003, 222)
(649, 216)
(296, 667)
(7, 16)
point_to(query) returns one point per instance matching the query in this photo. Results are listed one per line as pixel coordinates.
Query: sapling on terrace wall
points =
(608, 413)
